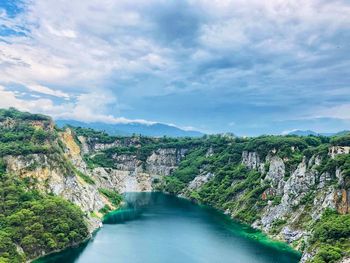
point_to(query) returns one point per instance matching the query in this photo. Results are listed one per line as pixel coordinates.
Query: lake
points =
(161, 228)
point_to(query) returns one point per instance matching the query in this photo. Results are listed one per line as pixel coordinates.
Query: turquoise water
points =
(160, 228)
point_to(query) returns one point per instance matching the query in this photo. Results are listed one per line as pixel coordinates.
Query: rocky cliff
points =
(127, 171)
(284, 189)
(285, 186)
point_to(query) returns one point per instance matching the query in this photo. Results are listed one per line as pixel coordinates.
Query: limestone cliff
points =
(129, 173)
(281, 185)
(303, 196)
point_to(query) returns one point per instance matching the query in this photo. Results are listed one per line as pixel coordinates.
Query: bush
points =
(35, 221)
(327, 254)
(114, 197)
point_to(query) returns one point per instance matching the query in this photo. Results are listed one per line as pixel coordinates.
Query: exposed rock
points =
(324, 199)
(324, 179)
(291, 235)
(336, 150)
(51, 178)
(342, 200)
(164, 161)
(85, 149)
(199, 180)
(134, 175)
(210, 152)
(72, 150)
(276, 170)
(251, 159)
(306, 256)
(127, 162)
(298, 184)
(105, 146)
(123, 181)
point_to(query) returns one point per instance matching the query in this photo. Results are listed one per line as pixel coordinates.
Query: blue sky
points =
(247, 67)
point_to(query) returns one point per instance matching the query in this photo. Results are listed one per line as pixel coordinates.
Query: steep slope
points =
(37, 164)
(295, 189)
(129, 164)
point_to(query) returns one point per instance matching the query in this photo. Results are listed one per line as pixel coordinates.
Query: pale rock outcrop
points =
(123, 180)
(133, 175)
(291, 235)
(105, 146)
(54, 179)
(276, 171)
(199, 180)
(298, 184)
(336, 150)
(72, 150)
(127, 162)
(324, 199)
(251, 159)
(85, 149)
(164, 161)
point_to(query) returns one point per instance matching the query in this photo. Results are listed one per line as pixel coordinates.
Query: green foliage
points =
(331, 237)
(277, 200)
(99, 136)
(86, 178)
(173, 185)
(327, 254)
(35, 222)
(105, 209)
(341, 140)
(20, 137)
(277, 226)
(332, 227)
(342, 162)
(283, 144)
(19, 115)
(308, 198)
(114, 197)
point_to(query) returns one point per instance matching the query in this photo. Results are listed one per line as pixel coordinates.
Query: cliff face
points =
(65, 172)
(282, 190)
(55, 173)
(303, 196)
(281, 185)
(129, 173)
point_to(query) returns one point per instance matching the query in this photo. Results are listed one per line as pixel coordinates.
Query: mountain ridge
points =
(310, 132)
(128, 129)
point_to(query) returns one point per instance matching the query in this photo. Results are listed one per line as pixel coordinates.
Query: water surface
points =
(160, 228)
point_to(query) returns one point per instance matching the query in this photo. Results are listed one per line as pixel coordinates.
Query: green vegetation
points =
(20, 136)
(331, 237)
(35, 222)
(39, 222)
(114, 197)
(343, 140)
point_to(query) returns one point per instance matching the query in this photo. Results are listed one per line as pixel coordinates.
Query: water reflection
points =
(157, 228)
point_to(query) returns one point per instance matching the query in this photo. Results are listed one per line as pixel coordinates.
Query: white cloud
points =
(88, 107)
(286, 132)
(48, 91)
(341, 111)
(263, 49)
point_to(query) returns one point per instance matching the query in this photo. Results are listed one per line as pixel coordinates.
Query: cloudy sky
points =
(245, 66)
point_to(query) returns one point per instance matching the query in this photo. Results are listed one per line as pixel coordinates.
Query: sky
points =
(244, 66)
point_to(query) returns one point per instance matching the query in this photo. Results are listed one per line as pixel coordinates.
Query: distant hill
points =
(156, 130)
(309, 132)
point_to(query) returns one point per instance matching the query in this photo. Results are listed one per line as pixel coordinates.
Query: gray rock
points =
(199, 180)
(251, 159)
(276, 170)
